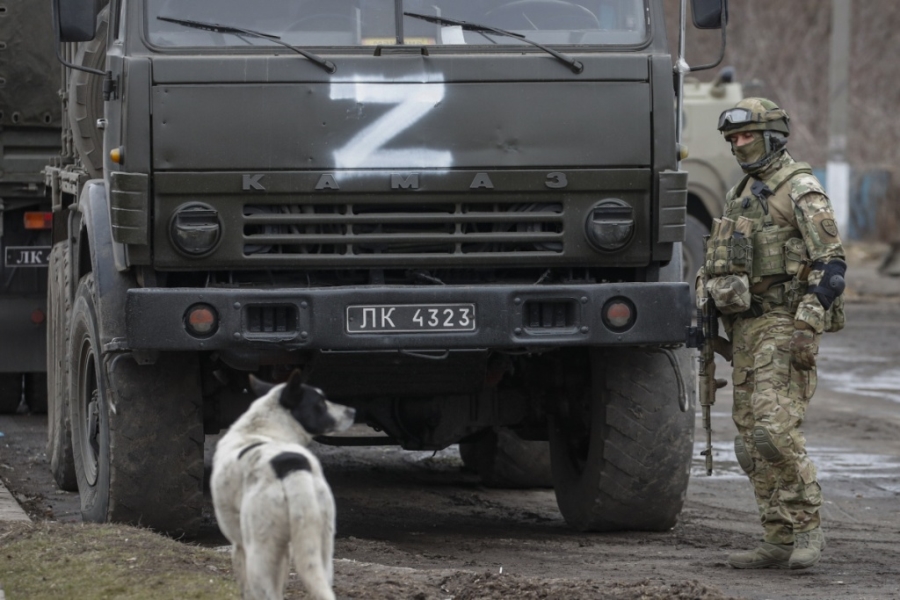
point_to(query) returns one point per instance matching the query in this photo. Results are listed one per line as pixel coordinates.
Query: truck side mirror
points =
(77, 19)
(709, 14)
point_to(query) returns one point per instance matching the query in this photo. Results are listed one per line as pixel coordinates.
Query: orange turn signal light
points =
(201, 320)
(38, 220)
(115, 155)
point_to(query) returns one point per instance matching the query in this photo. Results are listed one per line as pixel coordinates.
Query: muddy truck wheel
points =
(59, 426)
(621, 447)
(504, 460)
(137, 430)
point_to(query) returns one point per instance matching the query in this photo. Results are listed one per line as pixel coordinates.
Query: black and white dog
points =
(270, 497)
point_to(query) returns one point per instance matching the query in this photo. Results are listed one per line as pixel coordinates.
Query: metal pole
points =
(837, 179)
(398, 20)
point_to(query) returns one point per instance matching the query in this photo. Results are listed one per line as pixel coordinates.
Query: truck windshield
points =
(307, 23)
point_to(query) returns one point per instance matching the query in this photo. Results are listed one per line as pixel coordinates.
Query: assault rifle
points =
(705, 336)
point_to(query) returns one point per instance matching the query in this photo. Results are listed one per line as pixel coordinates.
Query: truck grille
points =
(264, 318)
(549, 314)
(438, 229)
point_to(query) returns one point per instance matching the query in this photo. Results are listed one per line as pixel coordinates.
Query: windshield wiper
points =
(575, 65)
(218, 28)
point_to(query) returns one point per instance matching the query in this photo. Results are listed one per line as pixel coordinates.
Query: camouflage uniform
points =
(789, 236)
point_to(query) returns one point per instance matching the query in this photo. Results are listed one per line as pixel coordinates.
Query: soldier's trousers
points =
(770, 401)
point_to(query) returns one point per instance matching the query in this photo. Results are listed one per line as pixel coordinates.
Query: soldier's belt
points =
(784, 296)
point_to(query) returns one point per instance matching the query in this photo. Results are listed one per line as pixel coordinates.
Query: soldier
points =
(775, 270)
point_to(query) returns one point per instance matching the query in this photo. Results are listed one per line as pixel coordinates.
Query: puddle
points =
(832, 463)
(885, 384)
(860, 373)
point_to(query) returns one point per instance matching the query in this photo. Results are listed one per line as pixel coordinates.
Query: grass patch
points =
(65, 561)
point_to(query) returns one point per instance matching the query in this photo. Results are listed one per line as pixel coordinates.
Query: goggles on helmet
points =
(735, 117)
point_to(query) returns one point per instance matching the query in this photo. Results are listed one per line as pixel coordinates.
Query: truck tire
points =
(504, 460)
(86, 98)
(692, 250)
(137, 431)
(621, 452)
(59, 426)
(10, 392)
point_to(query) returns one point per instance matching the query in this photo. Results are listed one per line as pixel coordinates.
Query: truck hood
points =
(362, 122)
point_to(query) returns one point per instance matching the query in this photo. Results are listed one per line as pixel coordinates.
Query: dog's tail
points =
(311, 523)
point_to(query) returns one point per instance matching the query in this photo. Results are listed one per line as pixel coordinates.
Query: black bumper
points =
(155, 317)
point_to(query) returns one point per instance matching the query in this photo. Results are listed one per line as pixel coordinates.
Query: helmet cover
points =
(754, 114)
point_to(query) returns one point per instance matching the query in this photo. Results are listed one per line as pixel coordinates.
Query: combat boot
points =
(776, 556)
(808, 548)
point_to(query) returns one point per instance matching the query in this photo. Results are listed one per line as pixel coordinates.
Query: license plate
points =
(410, 318)
(27, 256)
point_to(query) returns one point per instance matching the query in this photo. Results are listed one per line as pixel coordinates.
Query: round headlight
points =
(610, 224)
(195, 229)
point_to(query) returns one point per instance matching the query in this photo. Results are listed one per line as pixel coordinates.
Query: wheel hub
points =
(93, 437)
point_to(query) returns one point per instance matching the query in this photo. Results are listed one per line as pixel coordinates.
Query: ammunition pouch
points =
(795, 256)
(777, 251)
(731, 256)
(731, 293)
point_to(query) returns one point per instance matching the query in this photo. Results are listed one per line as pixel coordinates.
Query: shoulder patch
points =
(830, 227)
(287, 462)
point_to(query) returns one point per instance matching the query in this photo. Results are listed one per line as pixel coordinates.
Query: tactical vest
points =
(774, 250)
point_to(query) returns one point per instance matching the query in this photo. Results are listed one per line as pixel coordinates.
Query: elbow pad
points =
(832, 283)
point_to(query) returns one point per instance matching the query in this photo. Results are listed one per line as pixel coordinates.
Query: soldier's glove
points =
(804, 346)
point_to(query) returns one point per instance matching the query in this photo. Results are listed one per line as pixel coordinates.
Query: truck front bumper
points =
(505, 316)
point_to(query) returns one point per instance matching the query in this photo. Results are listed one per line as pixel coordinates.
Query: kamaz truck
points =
(455, 216)
(29, 138)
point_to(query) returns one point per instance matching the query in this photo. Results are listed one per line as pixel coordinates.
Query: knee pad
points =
(765, 445)
(743, 455)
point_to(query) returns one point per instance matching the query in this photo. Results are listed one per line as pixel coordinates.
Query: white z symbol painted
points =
(366, 149)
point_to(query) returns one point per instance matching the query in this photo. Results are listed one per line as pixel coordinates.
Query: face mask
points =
(750, 153)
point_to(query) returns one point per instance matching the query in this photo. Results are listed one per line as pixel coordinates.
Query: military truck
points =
(29, 138)
(455, 216)
(710, 165)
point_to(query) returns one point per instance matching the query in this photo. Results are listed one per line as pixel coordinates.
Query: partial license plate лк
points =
(410, 318)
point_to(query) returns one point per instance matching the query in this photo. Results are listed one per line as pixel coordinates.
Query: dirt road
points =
(404, 516)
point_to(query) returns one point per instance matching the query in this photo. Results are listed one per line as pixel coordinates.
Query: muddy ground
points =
(417, 525)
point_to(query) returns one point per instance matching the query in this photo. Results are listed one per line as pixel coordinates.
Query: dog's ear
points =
(293, 391)
(259, 387)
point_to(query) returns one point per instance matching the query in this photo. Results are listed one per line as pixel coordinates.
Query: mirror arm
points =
(721, 50)
(54, 4)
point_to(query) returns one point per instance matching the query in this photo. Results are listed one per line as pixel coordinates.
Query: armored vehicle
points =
(456, 216)
(29, 138)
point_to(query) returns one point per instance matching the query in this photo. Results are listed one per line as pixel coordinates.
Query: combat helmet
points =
(758, 114)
